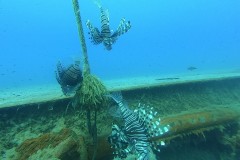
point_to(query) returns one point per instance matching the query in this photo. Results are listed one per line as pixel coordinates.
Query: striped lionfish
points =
(69, 78)
(139, 127)
(106, 36)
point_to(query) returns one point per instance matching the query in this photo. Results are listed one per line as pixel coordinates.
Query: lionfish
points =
(138, 129)
(69, 78)
(106, 36)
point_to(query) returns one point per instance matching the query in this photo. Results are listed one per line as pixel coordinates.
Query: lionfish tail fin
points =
(123, 27)
(95, 34)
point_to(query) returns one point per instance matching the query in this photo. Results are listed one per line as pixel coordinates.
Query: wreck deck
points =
(52, 92)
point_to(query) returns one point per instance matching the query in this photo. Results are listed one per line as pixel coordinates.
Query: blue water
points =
(166, 38)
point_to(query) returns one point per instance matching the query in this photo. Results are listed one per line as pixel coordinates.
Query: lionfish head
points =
(107, 42)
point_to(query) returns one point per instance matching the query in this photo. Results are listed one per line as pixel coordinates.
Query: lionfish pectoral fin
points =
(123, 27)
(58, 78)
(115, 111)
(89, 25)
(96, 36)
(59, 72)
(60, 69)
(94, 33)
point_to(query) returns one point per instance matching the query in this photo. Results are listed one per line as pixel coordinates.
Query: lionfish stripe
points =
(74, 69)
(70, 76)
(72, 72)
(105, 29)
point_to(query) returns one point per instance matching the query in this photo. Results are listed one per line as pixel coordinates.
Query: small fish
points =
(169, 78)
(69, 78)
(106, 35)
(191, 68)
